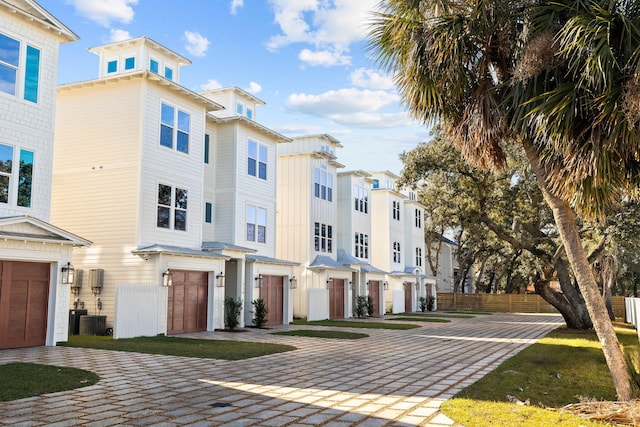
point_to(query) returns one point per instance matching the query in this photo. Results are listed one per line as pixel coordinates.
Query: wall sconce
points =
(220, 280)
(329, 282)
(167, 278)
(258, 280)
(386, 286)
(352, 285)
(293, 282)
(67, 274)
(417, 286)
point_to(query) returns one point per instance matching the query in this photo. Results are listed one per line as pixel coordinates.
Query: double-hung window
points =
(14, 71)
(361, 245)
(395, 210)
(418, 218)
(172, 208)
(256, 224)
(396, 253)
(419, 257)
(323, 185)
(361, 199)
(174, 128)
(323, 237)
(257, 159)
(22, 175)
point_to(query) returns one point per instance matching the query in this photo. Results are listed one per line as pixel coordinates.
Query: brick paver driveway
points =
(392, 378)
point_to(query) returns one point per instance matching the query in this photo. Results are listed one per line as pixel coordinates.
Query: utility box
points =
(96, 280)
(93, 325)
(74, 320)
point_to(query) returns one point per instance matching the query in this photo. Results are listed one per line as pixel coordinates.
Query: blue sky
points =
(306, 59)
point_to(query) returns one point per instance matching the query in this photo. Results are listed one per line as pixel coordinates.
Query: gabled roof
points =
(176, 250)
(269, 260)
(279, 138)
(29, 229)
(323, 262)
(32, 11)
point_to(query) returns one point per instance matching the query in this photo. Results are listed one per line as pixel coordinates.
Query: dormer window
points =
(153, 66)
(249, 113)
(239, 109)
(168, 73)
(130, 63)
(112, 66)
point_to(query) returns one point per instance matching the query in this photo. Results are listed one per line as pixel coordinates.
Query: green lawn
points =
(438, 314)
(175, 346)
(554, 372)
(404, 318)
(316, 333)
(355, 324)
(19, 380)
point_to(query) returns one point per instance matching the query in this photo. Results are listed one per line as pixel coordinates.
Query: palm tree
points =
(561, 79)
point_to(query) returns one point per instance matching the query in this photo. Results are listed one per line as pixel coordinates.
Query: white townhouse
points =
(394, 245)
(129, 174)
(355, 241)
(449, 269)
(307, 224)
(240, 205)
(34, 254)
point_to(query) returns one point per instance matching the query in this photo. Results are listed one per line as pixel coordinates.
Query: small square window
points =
(112, 66)
(168, 73)
(129, 63)
(153, 66)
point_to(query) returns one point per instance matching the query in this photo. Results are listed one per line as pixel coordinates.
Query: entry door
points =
(187, 309)
(336, 299)
(24, 296)
(408, 306)
(272, 292)
(374, 292)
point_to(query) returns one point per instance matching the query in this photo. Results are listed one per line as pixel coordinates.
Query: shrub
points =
(370, 305)
(422, 304)
(232, 311)
(361, 306)
(431, 304)
(260, 312)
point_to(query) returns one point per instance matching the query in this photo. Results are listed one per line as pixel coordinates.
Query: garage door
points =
(187, 310)
(272, 292)
(336, 299)
(407, 297)
(24, 296)
(374, 293)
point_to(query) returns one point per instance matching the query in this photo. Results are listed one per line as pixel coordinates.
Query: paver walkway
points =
(393, 378)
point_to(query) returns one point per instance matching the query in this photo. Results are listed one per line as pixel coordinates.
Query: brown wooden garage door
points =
(24, 296)
(187, 311)
(272, 292)
(336, 299)
(374, 293)
(407, 297)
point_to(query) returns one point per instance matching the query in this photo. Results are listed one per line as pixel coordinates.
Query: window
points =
(206, 148)
(169, 116)
(419, 257)
(361, 245)
(153, 66)
(130, 63)
(361, 199)
(172, 208)
(249, 113)
(257, 160)
(112, 66)
(25, 178)
(395, 210)
(239, 108)
(323, 185)
(376, 183)
(10, 69)
(396, 252)
(323, 237)
(208, 213)
(8, 173)
(168, 73)
(6, 169)
(418, 218)
(256, 224)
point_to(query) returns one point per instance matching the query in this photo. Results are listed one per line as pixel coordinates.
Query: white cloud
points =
(371, 79)
(196, 43)
(210, 85)
(323, 57)
(235, 5)
(342, 101)
(105, 11)
(117, 35)
(254, 88)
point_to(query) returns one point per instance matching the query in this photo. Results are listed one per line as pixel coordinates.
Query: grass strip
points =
(20, 380)
(176, 346)
(442, 315)
(420, 319)
(315, 333)
(355, 324)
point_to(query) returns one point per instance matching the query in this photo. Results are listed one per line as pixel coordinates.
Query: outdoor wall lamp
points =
(352, 285)
(293, 282)
(258, 280)
(329, 282)
(417, 286)
(220, 280)
(67, 274)
(386, 286)
(167, 278)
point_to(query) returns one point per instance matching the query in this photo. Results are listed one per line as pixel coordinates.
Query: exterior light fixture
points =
(67, 274)
(329, 283)
(167, 278)
(220, 280)
(293, 282)
(352, 285)
(258, 280)
(386, 286)
(417, 286)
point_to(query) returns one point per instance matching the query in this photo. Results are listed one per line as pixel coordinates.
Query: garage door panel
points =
(272, 292)
(188, 299)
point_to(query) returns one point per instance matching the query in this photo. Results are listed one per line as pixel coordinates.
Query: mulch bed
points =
(614, 413)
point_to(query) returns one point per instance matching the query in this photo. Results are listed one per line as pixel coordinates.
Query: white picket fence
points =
(632, 312)
(138, 310)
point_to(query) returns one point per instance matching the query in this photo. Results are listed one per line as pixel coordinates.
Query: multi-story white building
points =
(307, 225)
(34, 254)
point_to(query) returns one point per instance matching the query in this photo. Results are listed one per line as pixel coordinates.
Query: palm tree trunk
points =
(568, 231)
